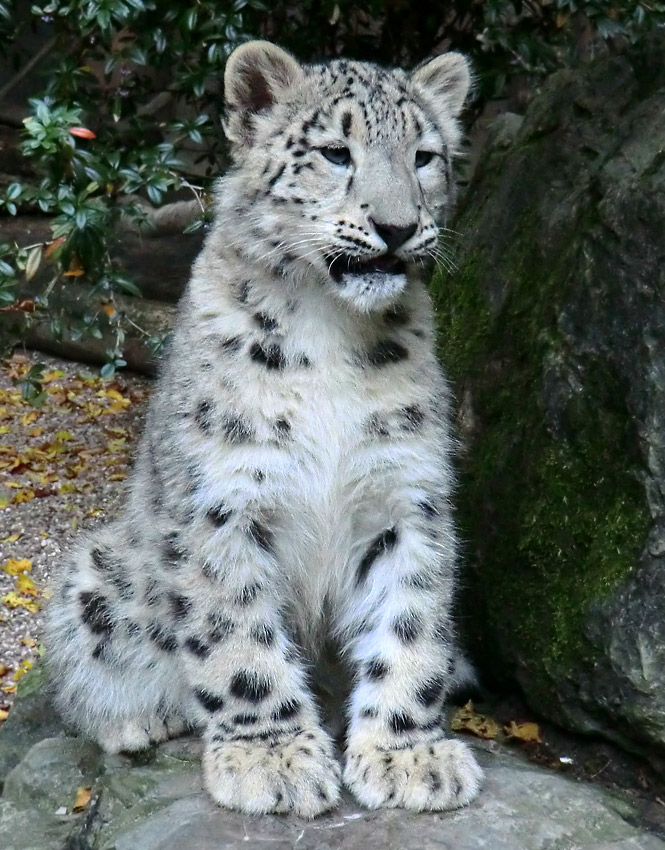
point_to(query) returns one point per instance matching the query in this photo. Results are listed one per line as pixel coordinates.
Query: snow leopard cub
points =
(293, 478)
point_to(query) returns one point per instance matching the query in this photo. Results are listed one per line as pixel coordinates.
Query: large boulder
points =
(553, 330)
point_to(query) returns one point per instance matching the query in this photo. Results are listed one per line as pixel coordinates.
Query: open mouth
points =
(387, 264)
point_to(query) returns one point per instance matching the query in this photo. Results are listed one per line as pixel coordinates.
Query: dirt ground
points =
(63, 465)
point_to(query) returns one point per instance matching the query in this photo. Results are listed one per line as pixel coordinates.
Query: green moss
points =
(554, 516)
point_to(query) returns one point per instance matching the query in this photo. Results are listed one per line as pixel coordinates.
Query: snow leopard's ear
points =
(446, 79)
(257, 74)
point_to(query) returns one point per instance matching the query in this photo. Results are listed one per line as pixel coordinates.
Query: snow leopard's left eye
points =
(423, 157)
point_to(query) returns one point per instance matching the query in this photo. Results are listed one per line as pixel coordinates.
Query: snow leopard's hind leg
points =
(111, 669)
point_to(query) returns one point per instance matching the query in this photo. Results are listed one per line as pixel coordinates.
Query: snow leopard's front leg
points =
(264, 750)
(399, 634)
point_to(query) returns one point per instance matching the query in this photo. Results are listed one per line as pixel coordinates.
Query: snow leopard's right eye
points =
(338, 156)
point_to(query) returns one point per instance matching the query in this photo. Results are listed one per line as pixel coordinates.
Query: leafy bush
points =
(130, 110)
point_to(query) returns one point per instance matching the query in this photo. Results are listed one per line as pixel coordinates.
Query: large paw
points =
(438, 775)
(123, 736)
(298, 774)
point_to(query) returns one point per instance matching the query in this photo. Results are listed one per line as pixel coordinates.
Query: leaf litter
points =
(66, 447)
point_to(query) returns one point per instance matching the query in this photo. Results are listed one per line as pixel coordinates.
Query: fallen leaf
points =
(82, 799)
(4, 670)
(24, 496)
(13, 600)
(16, 566)
(9, 689)
(467, 719)
(28, 641)
(29, 418)
(24, 667)
(11, 539)
(52, 375)
(25, 585)
(527, 732)
(5, 429)
(3, 715)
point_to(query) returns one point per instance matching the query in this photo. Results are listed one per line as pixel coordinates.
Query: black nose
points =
(393, 234)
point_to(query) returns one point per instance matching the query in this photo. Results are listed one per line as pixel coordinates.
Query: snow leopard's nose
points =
(394, 235)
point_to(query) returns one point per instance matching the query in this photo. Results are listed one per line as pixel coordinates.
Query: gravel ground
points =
(62, 468)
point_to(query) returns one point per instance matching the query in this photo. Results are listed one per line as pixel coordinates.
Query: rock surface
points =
(154, 801)
(552, 329)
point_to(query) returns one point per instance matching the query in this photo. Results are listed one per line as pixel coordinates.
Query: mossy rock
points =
(552, 330)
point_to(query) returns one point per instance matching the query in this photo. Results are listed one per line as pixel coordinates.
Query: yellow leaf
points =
(24, 496)
(25, 666)
(64, 436)
(75, 270)
(5, 429)
(528, 732)
(110, 310)
(29, 418)
(11, 539)
(28, 641)
(117, 476)
(3, 715)
(82, 799)
(3, 503)
(466, 719)
(16, 566)
(114, 394)
(116, 445)
(9, 689)
(52, 376)
(26, 585)
(36, 432)
(68, 487)
(13, 600)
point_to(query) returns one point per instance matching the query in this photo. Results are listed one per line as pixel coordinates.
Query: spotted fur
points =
(294, 475)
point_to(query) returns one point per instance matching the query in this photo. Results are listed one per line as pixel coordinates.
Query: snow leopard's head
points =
(346, 166)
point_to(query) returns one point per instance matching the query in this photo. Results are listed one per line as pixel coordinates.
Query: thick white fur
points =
(294, 475)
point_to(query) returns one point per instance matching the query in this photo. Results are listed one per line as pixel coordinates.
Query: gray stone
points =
(155, 801)
(32, 718)
(552, 329)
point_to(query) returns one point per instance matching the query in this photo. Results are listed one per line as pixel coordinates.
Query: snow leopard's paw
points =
(297, 774)
(434, 776)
